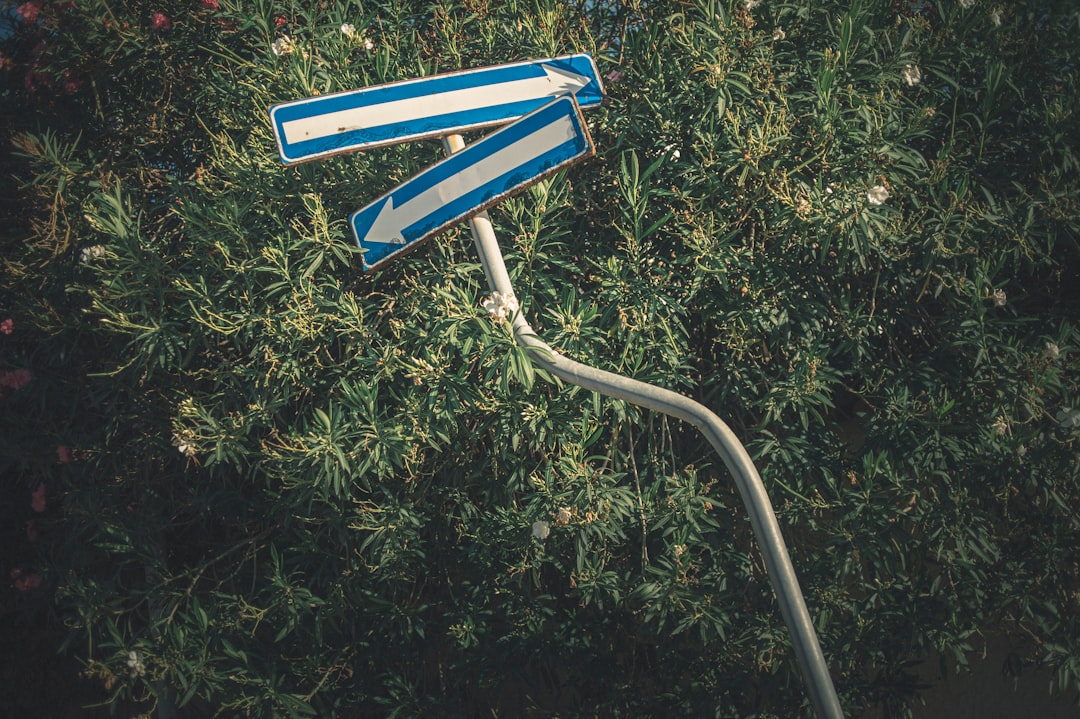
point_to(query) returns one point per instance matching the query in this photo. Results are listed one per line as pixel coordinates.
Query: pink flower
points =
(70, 84)
(279, 21)
(37, 499)
(63, 454)
(34, 79)
(7, 326)
(15, 379)
(160, 21)
(25, 582)
(209, 4)
(29, 11)
(613, 76)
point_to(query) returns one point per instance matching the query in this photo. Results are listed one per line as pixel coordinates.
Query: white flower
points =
(1000, 298)
(89, 254)
(135, 664)
(1069, 417)
(995, 17)
(967, 4)
(368, 44)
(500, 306)
(912, 75)
(1000, 427)
(751, 4)
(877, 195)
(183, 441)
(1051, 351)
(779, 34)
(674, 151)
(348, 30)
(541, 529)
(283, 46)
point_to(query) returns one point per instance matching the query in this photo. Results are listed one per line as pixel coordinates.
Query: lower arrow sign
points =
(519, 155)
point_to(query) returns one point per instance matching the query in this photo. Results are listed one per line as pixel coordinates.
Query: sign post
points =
(770, 540)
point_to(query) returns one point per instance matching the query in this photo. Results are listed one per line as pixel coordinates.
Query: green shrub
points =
(849, 228)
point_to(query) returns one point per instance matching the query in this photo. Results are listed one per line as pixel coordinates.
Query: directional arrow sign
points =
(472, 180)
(428, 107)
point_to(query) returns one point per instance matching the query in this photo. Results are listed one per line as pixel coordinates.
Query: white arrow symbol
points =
(554, 81)
(389, 225)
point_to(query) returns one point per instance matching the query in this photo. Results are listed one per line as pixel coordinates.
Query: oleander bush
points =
(251, 481)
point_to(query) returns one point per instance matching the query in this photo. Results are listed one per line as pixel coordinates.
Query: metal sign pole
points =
(770, 541)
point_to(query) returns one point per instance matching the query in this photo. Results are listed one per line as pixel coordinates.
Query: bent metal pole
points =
(762, 518)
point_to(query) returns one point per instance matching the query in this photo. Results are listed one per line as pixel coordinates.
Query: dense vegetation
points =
(249, 481)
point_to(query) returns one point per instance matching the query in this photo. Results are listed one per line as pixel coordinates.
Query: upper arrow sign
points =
(428, 107)
(472, 180)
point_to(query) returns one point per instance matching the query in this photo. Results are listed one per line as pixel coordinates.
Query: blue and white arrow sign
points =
(463, 184)
(428, 107)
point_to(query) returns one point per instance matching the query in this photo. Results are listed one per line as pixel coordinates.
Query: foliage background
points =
(275, 487)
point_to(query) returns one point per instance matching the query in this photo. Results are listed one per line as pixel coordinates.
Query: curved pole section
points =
(766, 529)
